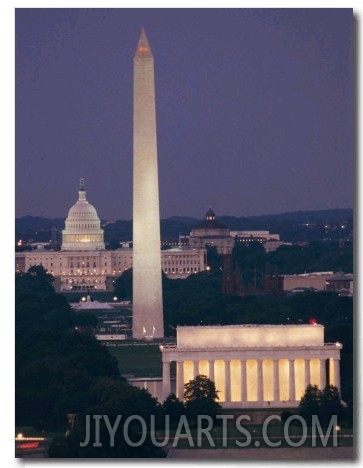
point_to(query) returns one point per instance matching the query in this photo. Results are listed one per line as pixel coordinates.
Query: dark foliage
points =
(324, 404)
(60, 370)
(174, 408)
(123, 285)
(201, 397)
(315, 256)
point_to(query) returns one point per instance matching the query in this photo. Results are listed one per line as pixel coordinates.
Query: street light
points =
(338, 428)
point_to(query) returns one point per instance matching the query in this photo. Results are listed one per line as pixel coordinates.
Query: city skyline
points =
(254, 109)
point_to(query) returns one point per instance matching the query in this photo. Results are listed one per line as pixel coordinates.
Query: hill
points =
(292, 226)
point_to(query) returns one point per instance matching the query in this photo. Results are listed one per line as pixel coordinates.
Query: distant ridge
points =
(290, 225)
(312, 214)
(331, 214)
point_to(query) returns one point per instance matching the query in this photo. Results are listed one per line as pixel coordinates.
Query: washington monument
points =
(147, 289)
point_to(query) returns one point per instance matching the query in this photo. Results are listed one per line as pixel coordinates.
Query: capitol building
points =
(84, 264)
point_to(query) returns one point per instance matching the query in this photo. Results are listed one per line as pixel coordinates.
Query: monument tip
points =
(143, 48)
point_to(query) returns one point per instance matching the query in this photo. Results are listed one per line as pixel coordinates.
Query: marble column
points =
(180, 380)
(276, 380)
(292, 395)
(166, 379)
(337, 374)
(243, 381)
(259, 380)
(227, 380)
(195, 369)
(307, 373)
(211, 370)
(322, 373)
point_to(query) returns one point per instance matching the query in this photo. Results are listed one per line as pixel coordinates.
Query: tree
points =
(40, 272)
(111, 398)
(213, 258)
(330, 405)
(200, 397)
(113, 244)
(324, 404)
(173, 407)
(250, 260)
(85, 321)
(200, 387)
(35, 282)
(310, 402)
(123, 284)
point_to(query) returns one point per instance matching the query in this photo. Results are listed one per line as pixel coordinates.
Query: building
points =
(96, 270)
(73, 271)
(270, 242)
(211, 233)
(83, 264)
(253, 365)
(271, 245)
(254, 236)
(83, 226)
(181, 262)
(340, 283)
(304, 281)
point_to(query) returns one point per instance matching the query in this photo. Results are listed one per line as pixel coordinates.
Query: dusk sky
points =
(254, 109)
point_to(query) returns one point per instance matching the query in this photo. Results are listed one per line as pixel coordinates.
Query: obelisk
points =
(147, 288)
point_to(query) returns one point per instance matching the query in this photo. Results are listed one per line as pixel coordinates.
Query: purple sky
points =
(254, 109)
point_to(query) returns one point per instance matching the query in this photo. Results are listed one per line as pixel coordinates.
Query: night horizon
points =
(254, 109)
(197, 218)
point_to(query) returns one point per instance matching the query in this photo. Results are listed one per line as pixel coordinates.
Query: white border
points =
(7, 96)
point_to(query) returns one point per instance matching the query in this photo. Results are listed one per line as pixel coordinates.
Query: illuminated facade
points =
(83, 226)
(254, 236)
(96, 270)
(147, 289)
(179, 263)
(316, 281)
(83, 264)
(254, 365)
(211, 233)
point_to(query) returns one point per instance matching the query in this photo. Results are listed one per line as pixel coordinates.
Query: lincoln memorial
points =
(253, 365)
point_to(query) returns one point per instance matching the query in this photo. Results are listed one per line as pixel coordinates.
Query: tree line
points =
(60, 371)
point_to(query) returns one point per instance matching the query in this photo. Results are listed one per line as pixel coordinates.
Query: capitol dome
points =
(83, 226)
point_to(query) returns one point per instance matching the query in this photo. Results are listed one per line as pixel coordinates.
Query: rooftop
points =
(249, 325)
